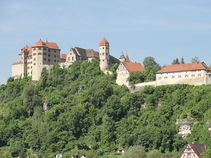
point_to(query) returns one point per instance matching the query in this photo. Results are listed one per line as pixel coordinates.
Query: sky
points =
(163, 29)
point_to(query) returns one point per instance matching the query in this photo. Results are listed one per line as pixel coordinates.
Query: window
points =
(44, 59)
(173, 76)
(179, 76)
(186, 75)
(39, 53)
(54, 56)
(192, 75)
(45, 48)
(72, 58)
(39, 48)
(44, 53)
(34, 63)
(159, 78)
(49, 55)
(49, 60)
(55, 61)
(34, 48)
(34, 59)
(209, 75)
(165, 77)
(34, 53)
(199, 75)
(54, 50)
(49, 50)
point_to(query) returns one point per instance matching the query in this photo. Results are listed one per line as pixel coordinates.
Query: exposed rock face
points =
(185, 127)
(208, 124)
(45, 107)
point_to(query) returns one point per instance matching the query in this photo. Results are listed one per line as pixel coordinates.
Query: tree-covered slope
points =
(88, 113)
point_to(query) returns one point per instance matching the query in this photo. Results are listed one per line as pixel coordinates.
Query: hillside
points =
(86, 112)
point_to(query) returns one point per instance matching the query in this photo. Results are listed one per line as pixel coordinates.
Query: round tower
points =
(104, 54)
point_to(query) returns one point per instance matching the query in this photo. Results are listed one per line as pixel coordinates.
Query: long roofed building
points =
(191, 73)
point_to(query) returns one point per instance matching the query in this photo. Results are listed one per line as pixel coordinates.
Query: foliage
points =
(195, 60)
(151, 67)
(177, 61)
(136, 77)
(88, 113)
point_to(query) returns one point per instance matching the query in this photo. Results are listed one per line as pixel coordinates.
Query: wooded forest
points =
(80, 110)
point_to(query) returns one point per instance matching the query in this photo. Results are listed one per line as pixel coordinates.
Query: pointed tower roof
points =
(104, 42)
(127, 59)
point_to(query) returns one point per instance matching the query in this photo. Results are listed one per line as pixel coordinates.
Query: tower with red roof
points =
(104, 54)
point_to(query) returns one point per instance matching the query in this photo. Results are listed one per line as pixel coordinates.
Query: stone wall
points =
(17, 71)
(122, 75)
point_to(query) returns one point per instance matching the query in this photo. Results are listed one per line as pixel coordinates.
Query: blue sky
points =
(164, 29)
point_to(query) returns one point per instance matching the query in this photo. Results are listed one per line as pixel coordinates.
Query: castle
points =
(32, 59)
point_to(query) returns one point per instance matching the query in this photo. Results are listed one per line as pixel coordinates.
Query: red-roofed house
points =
(33, 59)
(193, 151)
(123, 71)
(192, 74)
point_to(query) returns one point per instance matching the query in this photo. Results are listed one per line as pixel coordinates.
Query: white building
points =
(192, 74)
(193, 151)
(32, 59)
(125, 67)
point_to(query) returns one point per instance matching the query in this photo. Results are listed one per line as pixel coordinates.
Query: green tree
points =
(195, 60)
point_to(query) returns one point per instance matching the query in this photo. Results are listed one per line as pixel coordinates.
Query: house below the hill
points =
(193, 151)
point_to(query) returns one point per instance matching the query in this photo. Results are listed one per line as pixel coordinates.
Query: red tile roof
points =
(51, 45)
(209, 67)
(183, 67)
(120, 149)
(17, 63)
(104, 42)
(131, 67)
(198, 148)
(63, 56)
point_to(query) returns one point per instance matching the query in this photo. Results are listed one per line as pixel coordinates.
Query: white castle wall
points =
(122, 75)
(198, 77)
(17, 71)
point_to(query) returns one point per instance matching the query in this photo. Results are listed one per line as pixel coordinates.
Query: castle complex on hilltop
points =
(32, 60)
